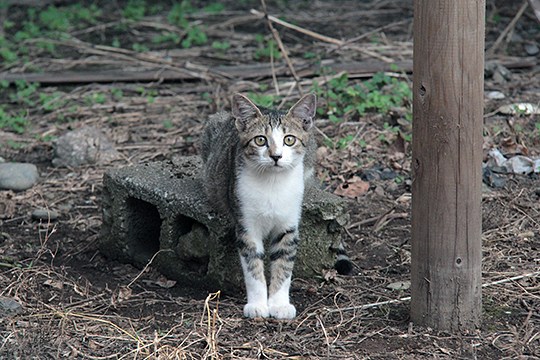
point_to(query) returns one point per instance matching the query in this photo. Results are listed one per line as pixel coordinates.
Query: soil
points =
(78, 304)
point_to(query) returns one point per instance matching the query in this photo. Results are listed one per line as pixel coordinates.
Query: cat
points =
(256, 164)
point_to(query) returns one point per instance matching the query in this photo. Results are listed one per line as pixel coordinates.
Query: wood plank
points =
(248, 72)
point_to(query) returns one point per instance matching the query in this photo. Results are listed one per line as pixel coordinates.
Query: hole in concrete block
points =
(144, 229)
(184, 225)
(193, 245)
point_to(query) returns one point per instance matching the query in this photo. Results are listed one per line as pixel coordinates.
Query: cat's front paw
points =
(282, 311)
(256, 310)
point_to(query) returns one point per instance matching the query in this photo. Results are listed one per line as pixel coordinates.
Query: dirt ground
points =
(78, 304)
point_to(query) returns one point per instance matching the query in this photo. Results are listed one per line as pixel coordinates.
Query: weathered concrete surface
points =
(161, 207)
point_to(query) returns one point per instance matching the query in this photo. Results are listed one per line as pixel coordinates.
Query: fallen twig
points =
(313, 34)
(282, 48)
(407, 298)
(510, 27)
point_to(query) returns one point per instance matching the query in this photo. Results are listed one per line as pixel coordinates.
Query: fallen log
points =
(244, 72)
(239, 72)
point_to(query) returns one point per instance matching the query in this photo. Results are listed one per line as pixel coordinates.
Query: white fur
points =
(257, 305)
(271, 202)
(279, 305)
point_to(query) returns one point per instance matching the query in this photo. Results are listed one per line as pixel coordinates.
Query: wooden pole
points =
(448, 70)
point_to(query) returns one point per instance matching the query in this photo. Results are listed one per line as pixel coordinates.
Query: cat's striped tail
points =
(343, 264)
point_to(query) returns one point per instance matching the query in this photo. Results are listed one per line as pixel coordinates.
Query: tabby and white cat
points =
(256, 161)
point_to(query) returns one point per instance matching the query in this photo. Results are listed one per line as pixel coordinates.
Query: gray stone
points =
(495, 95)
(161, 208)
(532, 49)
(493, 179)
(9, 307)
(86, 145)
(18, 176)
(44, 214)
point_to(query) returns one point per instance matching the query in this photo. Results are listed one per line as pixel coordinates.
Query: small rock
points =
(532, 49)
(2, 160)
(388, 174)
(87, 145)
(9, 307)
(44, 214)
(501, 74)
(537, 192)
(18, 176)
(495, 95)
(370, 175)
(492, 179)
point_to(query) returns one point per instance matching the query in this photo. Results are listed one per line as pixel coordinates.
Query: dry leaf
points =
(124, 293)
(399, 285)
(163, 282)
(56, 284)
(509, 146)
(352, 188)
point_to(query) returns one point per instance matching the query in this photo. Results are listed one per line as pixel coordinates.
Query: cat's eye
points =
(259, 140)
(289, 140)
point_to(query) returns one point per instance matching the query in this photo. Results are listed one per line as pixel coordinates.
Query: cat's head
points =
(273, 140)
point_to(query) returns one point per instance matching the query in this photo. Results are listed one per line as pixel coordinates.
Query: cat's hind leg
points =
(282, 255)
(251, 252)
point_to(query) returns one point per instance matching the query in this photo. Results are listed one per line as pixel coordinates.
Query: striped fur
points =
(256, 163)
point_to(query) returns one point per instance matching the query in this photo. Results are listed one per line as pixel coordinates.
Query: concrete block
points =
(161, 208)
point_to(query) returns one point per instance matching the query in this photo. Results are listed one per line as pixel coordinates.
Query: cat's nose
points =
(275, 158)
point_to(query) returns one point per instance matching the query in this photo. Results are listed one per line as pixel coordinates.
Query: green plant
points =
(179, 11)
(343, 142)
(379, 94)
(399, 179)
(89, 14)
(139, 47)
(266, 49)
(116, 93)
(43, 26)
(150, 94)
(206, 96)
(135, 10)
(54, 19)
(221, 45)
(16, 123)
(262, 100)
(309, 55)
(168, 124)
(166, 36)
(29, 28)
(24, 93)
(214, 8)
(195, 35)
(116, 42)
(14, 144)
(95, 98)
(45, 138)
(51, 102)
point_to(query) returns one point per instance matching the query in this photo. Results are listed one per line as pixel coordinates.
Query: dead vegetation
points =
(79, 304)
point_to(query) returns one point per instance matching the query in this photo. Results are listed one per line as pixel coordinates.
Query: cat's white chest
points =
(271, 200)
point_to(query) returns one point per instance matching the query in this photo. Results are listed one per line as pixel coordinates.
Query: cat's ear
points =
(243, 110)
(304, 110)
